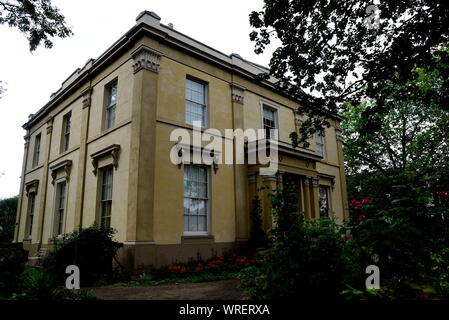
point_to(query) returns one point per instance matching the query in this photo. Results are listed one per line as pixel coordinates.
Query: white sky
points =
(32, 77)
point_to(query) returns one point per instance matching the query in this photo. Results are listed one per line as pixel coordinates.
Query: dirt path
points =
(216, 290)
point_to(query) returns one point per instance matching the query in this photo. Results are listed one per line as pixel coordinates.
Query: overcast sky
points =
(32, 77)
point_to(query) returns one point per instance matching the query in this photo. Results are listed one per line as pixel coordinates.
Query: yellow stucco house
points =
(99, 151)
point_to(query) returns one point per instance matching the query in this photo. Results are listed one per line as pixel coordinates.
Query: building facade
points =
(99, 151)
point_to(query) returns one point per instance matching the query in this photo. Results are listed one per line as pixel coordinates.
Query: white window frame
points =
(329, 199)
(321, 141)
(37, 150)
(56, 218)
(205, 105)
(66, 119)
(101, 200)
(208, 204)
(270, 105)
(31, 213)
(108, 105)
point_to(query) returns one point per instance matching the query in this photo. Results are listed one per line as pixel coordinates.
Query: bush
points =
(8, 209)
(37, 284)
(12, 262)
(307, 258)
(91, 249)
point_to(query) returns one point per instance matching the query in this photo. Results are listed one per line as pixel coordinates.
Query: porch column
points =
(342, 176)
(305, 187)
(315, 197)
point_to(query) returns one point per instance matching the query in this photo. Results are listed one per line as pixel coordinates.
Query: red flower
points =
(199, 264)
(183, 270)
(169, 268)
(361, 218)
(198, 269)
(247, 264)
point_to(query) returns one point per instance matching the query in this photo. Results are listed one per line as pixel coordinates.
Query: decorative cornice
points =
(31, 186)
(65, 165)
(49, 125)
(238, 93)
(111, 151)
(86, 97)
(27, 140)
(146, 58)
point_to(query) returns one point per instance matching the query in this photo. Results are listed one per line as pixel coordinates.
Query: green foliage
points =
(407, 239)
(91, 249)
(326, 44)
(39, 20)
(12, 262)
(8, 210)
(307, 258)
(37, 284)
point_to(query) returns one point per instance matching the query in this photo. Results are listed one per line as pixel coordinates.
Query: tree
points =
(334, 53)
(8, 209)
(39, 20)
(412, 134)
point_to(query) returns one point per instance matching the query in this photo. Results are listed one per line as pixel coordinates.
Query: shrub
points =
(12, 262)
(8, 209)
(91, 249)
(306, 257)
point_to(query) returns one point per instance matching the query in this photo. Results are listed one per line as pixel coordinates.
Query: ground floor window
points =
(196, 199)
(31, 208)
(324, 201)
(60, 208)
(106, 196)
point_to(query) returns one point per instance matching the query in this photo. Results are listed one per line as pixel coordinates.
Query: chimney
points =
(148, 17)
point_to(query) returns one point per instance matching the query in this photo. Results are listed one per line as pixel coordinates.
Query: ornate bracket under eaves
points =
(31, 187)
(65, 165)
(112, 151)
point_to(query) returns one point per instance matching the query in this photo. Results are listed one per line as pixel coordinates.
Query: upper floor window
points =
(324, 202)
(111, 105)
(269, 120)
(196, 199)
(66, 125)
(106, 196)
(319, 139)
(37, 150)
(31, 208)
(61, 191)
(195, 102)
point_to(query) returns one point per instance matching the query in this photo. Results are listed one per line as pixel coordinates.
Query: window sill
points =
(197, 238)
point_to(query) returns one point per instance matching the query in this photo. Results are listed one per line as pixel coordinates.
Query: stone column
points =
(271, 183)
(22, 184)
(43, 190)
(306, 197)
(344, 193)
(315, 197)
(82, 158)
(142, 149)
(240, 170)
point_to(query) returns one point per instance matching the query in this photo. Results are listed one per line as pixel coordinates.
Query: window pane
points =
(186, 223)
(193, 223)
(202, 207)
(202, 223)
